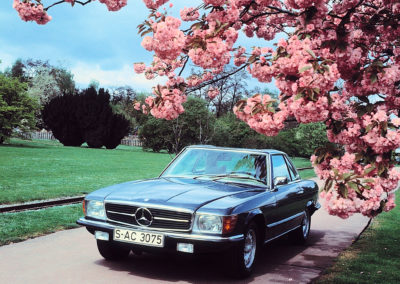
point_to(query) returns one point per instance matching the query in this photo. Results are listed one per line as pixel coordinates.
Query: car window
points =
(293, 172)
(279, 167)
(195, 162)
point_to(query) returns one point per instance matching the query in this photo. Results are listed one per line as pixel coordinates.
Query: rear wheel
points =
(111, 251)
(244, 255)
(301, 234)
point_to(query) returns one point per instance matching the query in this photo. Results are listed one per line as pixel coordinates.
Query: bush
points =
(85, 117)
(60, 117)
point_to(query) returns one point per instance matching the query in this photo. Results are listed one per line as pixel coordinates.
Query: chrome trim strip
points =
(169, 219)
(84, 222)
(154, 229)
(120, 213)
(148, 205)
(271, 239)
(285, 220)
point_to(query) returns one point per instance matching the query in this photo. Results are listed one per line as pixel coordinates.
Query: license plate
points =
(139, 237)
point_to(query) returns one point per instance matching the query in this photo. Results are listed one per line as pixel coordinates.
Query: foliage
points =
(309, 137)
(59, 115)
(296, 142)
(353, 42)
(16, 107)
(85, 117)
(195, 126)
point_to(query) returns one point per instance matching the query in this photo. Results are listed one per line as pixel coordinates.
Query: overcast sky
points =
(88, 40)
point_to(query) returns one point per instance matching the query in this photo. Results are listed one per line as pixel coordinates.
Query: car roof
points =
(264, 151)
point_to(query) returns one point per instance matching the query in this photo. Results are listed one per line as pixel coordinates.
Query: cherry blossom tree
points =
(323, 44)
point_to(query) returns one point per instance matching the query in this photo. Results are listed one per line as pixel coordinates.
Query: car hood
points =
(176, 192)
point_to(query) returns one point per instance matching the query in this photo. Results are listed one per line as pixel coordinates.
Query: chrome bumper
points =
(188, 236)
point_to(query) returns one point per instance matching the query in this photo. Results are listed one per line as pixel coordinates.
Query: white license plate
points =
(139, 237)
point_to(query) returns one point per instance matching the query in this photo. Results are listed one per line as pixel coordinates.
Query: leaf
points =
(298, 96)
(367, 171)
(346, 176)
(328, 184)
(305, 68)
(353, 185)
(343, 190)
(311, 53)
(373, 78)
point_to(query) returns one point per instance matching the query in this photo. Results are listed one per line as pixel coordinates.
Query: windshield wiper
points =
(238, 176)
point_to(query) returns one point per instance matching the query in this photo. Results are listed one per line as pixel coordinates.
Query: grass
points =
(303, 163)
(375, 258)
(20, 226)
(43, 169)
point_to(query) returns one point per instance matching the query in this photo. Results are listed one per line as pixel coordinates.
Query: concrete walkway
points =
(71, 257)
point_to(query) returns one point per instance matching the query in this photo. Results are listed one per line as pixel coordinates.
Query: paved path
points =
(71, 257)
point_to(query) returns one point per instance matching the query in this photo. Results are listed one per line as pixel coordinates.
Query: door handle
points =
(300, 190)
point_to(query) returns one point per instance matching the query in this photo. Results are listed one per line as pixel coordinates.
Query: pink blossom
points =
(139, 67)
(212, 93)
(31, 12)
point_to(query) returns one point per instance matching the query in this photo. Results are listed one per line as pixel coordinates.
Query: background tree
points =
(195, 126)
(85, 117)
(16, 107)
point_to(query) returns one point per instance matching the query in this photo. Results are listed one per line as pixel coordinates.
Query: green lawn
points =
(41, 169)
(375, 258)
(20, 226)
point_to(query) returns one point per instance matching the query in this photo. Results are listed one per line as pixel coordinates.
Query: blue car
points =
(208, 199)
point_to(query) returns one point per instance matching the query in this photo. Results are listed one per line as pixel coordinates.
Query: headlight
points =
(214, 224)
(95, 209)
(209, 224)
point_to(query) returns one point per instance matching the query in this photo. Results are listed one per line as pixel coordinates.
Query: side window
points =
(279, 167)
(292, 170)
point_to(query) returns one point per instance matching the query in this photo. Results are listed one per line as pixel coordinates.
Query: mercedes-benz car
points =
(208, 199)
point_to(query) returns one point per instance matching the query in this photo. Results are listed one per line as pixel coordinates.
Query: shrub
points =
(85, 117)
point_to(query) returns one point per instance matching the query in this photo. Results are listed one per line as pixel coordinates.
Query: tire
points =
(301, 234)
(110, 251)
(243, 257)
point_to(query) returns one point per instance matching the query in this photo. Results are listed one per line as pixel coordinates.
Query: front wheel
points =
(301, 234)
(244, 255)
(110, 251)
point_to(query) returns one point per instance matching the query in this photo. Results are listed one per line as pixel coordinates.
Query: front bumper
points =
(202, 243)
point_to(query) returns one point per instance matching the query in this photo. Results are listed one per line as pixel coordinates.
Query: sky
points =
(90, 41)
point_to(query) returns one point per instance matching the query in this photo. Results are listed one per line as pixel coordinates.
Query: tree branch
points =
(62, 1)
(216, 80)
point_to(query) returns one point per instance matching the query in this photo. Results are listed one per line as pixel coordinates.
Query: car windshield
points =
(217, 164)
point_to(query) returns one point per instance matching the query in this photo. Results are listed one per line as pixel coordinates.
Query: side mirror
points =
(280, 181)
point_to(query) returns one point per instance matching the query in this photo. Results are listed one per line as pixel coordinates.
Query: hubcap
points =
(306, 225)
(250, 245)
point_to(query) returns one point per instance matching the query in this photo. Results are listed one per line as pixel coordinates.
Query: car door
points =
(288, 198)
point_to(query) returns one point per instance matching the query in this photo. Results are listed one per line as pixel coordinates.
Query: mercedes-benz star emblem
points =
(143, 217)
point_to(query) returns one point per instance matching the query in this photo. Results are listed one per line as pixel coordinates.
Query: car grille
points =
(163, 219)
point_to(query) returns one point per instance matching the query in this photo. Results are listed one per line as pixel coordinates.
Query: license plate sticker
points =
(139, 237)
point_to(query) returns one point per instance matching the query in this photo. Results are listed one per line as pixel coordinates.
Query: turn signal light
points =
(84, 207)
(229, 224)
